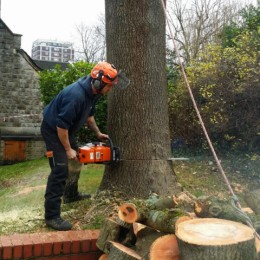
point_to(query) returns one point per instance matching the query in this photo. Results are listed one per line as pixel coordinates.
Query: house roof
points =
(29, 59)
(46, 65)
(3, 25)
(38, 65)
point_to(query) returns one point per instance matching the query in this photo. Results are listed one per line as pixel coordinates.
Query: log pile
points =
(167, 229)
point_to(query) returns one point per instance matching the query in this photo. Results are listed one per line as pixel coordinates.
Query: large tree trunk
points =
(138, 116)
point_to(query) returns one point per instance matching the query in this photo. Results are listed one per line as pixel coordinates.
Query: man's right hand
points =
(71, 154)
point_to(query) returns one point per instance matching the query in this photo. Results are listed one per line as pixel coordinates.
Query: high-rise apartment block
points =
(49, 50)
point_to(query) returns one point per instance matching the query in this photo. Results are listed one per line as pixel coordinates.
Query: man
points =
(73, 107)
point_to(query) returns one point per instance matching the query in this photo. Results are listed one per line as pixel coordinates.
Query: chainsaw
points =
(99, 152)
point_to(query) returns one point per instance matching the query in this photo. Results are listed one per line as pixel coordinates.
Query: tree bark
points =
(137, 210)
(215, 239)
(257, 244)
(109, 232)
(252, 199)
(162, 220)
(119, 252)
(138, 120)
(114, 231)
(145, 237)
(214, 207)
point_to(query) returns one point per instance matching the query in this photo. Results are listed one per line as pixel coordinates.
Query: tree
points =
(198, 23)
(138, 116)
(91, 42)
(225, 83)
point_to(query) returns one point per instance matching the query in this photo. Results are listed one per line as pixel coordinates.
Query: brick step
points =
(60, 245)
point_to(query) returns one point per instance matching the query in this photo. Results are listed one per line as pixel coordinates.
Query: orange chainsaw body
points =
(95, 153)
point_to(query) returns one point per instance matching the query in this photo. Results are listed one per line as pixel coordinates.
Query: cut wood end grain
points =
(212, 231)
(257, 245)
(165, 247)
(128, 213)
(182, 219)
(103, 257)
(119, 251)
(137, 227)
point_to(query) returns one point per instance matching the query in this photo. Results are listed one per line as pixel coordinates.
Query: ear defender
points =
(97, 83)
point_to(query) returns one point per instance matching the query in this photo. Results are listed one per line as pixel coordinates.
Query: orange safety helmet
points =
(105, 72)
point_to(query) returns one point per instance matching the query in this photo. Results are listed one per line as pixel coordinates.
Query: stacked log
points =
(163, 228)
(214, 239)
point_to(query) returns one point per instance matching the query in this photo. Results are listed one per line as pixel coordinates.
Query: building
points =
(53, 51)
(20, 102)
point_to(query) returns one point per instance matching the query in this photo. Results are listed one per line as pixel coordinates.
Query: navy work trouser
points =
(59, 171)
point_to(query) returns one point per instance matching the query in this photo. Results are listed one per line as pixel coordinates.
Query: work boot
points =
(58, 224)
(79, 196)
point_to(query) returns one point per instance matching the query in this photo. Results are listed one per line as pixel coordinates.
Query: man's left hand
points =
(102, 136)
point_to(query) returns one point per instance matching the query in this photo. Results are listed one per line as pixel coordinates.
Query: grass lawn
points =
(22, 188)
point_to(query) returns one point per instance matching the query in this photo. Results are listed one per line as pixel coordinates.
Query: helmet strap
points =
(97, 82)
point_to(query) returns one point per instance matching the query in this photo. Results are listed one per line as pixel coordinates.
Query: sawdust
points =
(27, 190)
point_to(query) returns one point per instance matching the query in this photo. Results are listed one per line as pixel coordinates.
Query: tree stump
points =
(215, 239)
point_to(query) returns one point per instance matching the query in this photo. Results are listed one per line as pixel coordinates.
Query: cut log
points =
(137, 210)
(121, 252)
(113, 231)
(185, 201)
(165, 247)
(137, 227)
(214, 207)
(129, 213)
(145, 237)
(215, 239)
(252, 199)
(103, 257)
(162, 220)
(257, 244)
(154, 202)
(181, 219)
(109, 231)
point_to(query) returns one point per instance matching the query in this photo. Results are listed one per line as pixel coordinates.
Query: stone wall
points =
(20, 105)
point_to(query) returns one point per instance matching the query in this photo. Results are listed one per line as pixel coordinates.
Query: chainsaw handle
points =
(111, 148)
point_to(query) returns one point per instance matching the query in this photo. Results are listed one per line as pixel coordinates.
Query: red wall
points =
(60, 245)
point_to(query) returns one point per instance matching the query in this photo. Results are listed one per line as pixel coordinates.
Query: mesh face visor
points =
(121, 82)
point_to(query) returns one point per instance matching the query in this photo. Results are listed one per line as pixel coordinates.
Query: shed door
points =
(14, 151)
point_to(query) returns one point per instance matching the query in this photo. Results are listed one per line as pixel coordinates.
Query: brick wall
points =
(60, 245)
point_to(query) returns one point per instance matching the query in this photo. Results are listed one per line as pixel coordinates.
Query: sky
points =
(49, 19)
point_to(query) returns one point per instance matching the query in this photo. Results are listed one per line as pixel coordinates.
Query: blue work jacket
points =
(72, 106)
